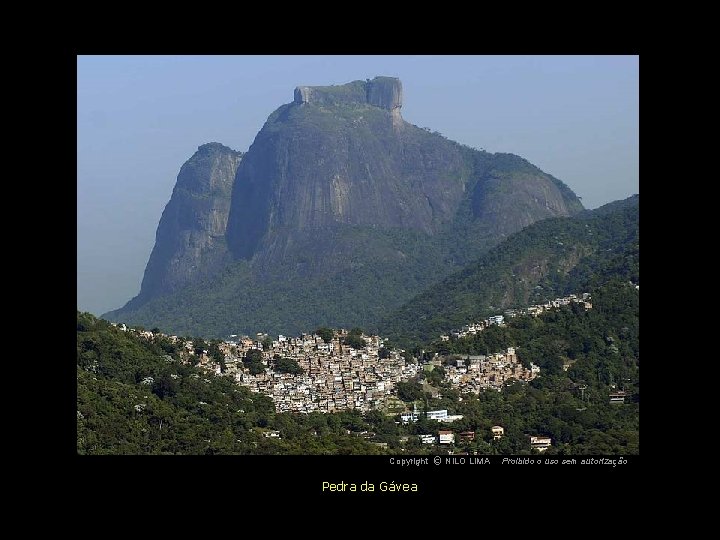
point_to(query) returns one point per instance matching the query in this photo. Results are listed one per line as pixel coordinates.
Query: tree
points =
(384, 353)
(374, 418)
(255, 369)
(199, 345)
(253, 361)
(287, 365)
(164, 386)
(325, 333)
(436, 376)
(409, 391)
(253, 356)
(354, 341)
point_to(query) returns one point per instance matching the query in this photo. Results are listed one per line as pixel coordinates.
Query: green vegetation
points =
(253, 361)
(137, 397)
(410, 391)
(572, 407)
(548, 259)
(287, 365)
(435, 376)
(600, 345)
(355, 341)
(325, 333)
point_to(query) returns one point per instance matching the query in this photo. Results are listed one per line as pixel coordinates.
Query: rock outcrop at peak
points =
(383, 92)
(190, 238)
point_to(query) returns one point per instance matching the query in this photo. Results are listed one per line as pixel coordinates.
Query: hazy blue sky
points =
(139, 118)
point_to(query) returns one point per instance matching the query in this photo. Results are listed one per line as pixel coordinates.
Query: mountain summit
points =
(383, 92)
(339, 211)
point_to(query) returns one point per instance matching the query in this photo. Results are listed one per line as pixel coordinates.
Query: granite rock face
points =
(302, 94)
(319, 167)
(383, 92)
(339, 211)
(336, 157)
(190, 239)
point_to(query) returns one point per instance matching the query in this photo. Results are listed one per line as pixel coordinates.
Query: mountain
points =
(548, 259)
(339, 211)
(190, 240)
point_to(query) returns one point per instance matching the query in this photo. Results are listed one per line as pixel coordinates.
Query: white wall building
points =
(437, 415)
(446, 437)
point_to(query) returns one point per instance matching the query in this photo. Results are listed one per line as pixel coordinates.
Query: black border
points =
(300, 475)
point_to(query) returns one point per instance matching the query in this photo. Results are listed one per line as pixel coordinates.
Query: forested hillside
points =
(136, 396)
(548, 259)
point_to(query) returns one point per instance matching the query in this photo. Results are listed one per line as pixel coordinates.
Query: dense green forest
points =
(136, 397)
(548, 259)
(140, 396)
(389, 265)
(600, 349)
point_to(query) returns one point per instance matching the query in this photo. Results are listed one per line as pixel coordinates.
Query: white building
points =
(437, 415)
(496, 319)
(427, 439)
(446, 437)
(540, 443)
(451, 418)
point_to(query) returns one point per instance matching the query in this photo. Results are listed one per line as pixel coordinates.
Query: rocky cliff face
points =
(316, 167)
(339, 211)
(335, 157)
(383, 92)
(513, 194)
(190, 239)
(386, 92)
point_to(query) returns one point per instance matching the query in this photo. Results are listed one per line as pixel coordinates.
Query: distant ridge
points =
(550, 258)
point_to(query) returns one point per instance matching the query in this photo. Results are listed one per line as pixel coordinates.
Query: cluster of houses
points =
(335, 375)
(534, 310)
(475, 373)
(447, 437)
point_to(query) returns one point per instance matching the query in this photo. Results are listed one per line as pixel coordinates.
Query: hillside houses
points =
(335, 376)
(489, 372)
(534, 310)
